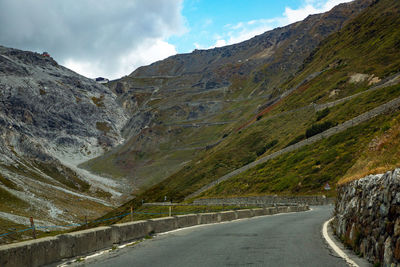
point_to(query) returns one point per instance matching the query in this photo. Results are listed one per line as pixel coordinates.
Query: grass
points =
(7, 226)
(63, 175)
(8, 183)
(382, 154)
(9, 202)
(233, 152)
(241, 148)
(307, 170)
(98, 101)
(369, 44)
(103, 126)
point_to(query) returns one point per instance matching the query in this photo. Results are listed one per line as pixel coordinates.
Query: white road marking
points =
(335, 247)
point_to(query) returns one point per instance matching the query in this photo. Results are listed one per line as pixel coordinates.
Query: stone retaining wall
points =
(367, 217)
(50, 250)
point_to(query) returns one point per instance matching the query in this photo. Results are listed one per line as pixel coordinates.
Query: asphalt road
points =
(292, 239)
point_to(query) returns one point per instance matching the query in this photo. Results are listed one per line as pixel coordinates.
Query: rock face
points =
(51, 119)
(367, 217)
(42, 99)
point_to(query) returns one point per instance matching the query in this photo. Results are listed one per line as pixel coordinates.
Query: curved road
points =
(292, 239)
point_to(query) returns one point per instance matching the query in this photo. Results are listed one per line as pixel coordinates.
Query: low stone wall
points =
(266, 201)
(367, 217)
(49, 250)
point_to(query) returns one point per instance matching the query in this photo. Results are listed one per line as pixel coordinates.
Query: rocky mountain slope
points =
(51, 119)
(188, 103)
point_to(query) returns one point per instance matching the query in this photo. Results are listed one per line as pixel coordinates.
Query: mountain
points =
(346, 92)
(51, 119)
(177, 125)
(189, 103)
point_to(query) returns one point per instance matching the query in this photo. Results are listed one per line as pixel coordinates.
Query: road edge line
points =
(335, 248)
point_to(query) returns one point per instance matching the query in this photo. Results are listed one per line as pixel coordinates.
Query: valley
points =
(283, 113)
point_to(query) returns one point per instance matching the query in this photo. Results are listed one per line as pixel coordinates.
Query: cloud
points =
(310, 7)
(93, 37)
(147, 52)
(245, 30)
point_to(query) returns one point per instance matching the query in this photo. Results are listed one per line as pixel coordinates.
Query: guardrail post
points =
(33, 227)
(131, 213)
(170, 211)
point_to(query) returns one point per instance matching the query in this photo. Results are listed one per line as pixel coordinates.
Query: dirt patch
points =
(358, 78)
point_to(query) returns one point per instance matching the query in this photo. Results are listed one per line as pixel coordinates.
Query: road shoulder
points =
(339, 250)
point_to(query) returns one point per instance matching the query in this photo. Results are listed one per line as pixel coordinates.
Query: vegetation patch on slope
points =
(307, 170)
(381, 155)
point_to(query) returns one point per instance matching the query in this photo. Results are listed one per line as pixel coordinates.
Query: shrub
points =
(318, 128)
(103, 126)
(98, 101)
(297, 139)
(322, 114)
(269, 145)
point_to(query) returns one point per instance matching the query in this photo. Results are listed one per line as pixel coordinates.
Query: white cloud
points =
(293, 15)
(220, 43)
(245, 30)
(146, 53)
(310, 7)
(93, 37)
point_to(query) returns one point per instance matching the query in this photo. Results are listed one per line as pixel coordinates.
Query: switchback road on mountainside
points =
(291, 239)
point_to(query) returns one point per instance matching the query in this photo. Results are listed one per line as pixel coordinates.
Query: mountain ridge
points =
(216, 88)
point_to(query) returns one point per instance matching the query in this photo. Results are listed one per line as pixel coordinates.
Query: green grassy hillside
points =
(363, 54)
(186, 104)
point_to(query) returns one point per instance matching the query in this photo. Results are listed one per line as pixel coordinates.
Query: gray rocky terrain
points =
(51, 119)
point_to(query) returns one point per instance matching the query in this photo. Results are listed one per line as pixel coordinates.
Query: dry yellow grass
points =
(362, 174)
(382, 155)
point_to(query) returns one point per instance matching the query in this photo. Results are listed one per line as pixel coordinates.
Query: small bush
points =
(318, 128)
(103, 126)
(296, 139)
(263, 149)
(322, 114)
(98, 101)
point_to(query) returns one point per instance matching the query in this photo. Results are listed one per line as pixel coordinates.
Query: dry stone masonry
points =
(367, 217)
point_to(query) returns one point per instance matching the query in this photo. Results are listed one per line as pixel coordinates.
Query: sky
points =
(112, 38)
